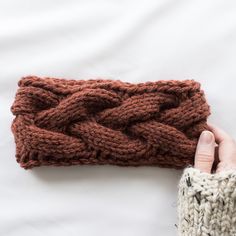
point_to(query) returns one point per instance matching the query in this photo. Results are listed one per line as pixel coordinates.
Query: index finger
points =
(220, 134)
(226, 144)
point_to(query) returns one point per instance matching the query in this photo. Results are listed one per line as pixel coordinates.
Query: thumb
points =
(205, 152)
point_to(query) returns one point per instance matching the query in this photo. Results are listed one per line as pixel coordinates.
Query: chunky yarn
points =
(207, 203)
(72, 122)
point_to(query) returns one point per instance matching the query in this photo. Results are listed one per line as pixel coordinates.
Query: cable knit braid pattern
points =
(207, 203)
(63, 122)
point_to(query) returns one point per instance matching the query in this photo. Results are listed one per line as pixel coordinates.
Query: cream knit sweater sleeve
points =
(207, 203)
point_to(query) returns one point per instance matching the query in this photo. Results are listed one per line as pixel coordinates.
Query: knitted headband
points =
(67, 122)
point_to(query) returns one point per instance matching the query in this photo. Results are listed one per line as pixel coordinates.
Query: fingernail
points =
(206, 137)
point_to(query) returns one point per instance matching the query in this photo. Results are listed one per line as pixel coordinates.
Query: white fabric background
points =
(130, 40)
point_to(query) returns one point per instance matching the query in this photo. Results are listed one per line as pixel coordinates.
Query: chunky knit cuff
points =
(207, 203)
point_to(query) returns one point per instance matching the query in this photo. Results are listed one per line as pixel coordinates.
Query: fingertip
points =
(211, 126)
(206, 137)
(219, 133)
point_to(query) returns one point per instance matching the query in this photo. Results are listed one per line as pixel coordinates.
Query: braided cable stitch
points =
(63, 122)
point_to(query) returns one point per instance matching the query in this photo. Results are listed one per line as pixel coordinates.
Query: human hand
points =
(206, 148)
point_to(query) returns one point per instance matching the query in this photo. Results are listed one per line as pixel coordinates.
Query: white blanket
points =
(134, 41)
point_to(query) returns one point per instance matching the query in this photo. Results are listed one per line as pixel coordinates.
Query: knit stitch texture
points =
(207, 203)
(68, 122)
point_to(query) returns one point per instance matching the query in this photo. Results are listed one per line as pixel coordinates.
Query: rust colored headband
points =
(67, 122)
